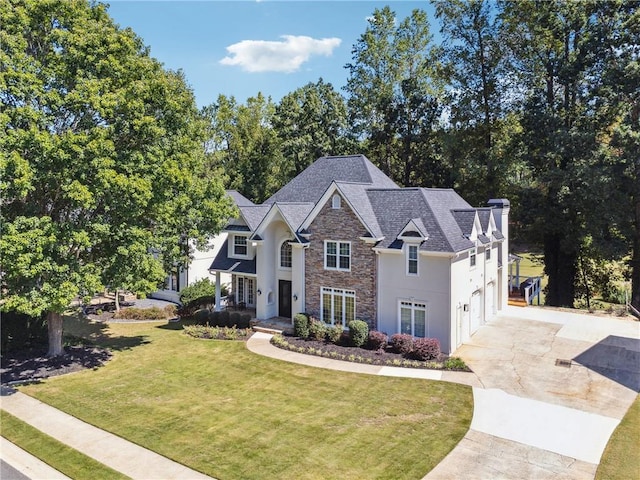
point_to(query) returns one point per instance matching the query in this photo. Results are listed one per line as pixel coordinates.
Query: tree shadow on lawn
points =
(87, 345)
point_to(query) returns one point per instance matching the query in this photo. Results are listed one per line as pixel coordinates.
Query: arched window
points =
(335, 201)
(285, 254)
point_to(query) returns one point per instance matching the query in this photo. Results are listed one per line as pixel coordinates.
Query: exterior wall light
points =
(295, 297)
(259, 292)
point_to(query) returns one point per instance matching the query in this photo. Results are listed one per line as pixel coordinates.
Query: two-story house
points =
(342, 241)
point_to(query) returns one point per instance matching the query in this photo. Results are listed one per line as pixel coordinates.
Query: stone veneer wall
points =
(341, 225)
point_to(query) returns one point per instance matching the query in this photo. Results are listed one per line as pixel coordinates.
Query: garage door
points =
(490, 299)
(476, 311)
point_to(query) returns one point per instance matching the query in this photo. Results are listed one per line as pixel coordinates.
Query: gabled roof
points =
(465, 219)
(311, 183)
(396, 207)
(292, 213)
(222, 262)
(239, 199)
(254, 214)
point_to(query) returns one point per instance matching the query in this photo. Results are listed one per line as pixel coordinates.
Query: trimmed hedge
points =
(317, 329)
(334, 333)
(358, 333)
(301, 325)
(425, 349)
(402, 343)
(377, 340)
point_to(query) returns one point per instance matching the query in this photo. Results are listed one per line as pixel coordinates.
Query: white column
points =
(218, 290)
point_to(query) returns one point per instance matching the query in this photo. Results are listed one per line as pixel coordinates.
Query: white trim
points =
(338, 243)
(413, 305)
(317, 208)
(337, 293)
(408, 261)
(286, 241)
(233, 246)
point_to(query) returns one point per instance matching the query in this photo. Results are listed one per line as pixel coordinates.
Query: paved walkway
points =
(511, 435)
(115, 452)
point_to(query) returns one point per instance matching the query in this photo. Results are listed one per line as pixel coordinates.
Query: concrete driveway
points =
(554, 387)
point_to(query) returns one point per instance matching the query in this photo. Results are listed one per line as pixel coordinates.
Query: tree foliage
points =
(102, 163)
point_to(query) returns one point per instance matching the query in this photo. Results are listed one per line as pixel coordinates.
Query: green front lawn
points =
(54, 453)
(621, 459)
(217, 408)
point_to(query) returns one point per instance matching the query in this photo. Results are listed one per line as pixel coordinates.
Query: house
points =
(342, 241)
(197, 269)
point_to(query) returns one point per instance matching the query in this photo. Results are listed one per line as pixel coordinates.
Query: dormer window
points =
(240, 245)
(336, 201)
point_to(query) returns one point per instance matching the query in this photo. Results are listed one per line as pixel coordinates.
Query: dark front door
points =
(284, 298)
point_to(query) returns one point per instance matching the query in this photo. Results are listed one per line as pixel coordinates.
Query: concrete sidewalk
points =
(27, 464)
(115, 452)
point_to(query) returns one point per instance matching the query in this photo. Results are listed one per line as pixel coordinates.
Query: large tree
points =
(563, 53)
(393, 100)
(243, 142)
(102, 164)
(311, 122)
(477, 96)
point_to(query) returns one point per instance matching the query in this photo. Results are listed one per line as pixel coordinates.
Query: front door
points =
(284, 298)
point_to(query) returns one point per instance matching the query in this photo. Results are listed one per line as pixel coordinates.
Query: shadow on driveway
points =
(617, 358)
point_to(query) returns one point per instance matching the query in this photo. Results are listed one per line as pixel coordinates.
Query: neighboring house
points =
(198, 269)
(342, 241)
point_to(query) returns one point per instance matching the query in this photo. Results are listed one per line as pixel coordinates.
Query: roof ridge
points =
(437, 219)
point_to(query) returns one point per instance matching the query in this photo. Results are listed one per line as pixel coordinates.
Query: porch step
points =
(271, 331)
(517, 302)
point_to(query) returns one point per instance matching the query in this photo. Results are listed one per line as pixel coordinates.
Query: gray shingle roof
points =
(484, 214)
(311, 184)
(356, 195)
(295, 213)
(396, 207)
(253, 215)
(239, 199)
(465, 219)
(223, 263)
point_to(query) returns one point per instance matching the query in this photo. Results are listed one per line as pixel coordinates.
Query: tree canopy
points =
(102, 160)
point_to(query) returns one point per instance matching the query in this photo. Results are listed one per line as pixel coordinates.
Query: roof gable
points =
(310, 184)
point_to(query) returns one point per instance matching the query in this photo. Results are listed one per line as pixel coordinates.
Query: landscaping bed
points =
(358, 344)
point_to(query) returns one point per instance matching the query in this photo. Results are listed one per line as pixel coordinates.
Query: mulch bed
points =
(374, 357)
(33, 364)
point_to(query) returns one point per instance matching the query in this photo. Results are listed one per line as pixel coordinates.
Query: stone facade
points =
(341, 225)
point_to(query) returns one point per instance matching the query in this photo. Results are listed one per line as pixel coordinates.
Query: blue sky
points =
(241, 48)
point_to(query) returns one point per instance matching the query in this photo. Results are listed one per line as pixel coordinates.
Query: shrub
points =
(197, 290)
(377, 340)
(133, 313)
(402, 343)
(170, 310)
(317, 329)
(334, 333)
(425, 349)
(301, 325)
(455, 363)
(358, 333)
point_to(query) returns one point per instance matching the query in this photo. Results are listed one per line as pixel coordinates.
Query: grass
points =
(217, 408)
(532, 265)
(620, 458)
(56, 454)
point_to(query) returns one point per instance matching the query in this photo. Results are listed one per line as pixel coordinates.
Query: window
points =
(338, 306)
(472, 258)
(240, 245)
(335, 201)
(285, 254)
(413, 318)
(487, 254)
(245, 291)
(337, 255)
(412, 260)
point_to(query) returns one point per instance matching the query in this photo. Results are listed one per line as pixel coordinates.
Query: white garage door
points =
(490, 301)
(476, 311)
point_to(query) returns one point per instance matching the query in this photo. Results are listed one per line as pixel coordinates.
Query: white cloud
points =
(279, 56)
